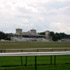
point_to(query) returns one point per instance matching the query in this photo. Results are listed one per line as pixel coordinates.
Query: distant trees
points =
(42, 33)
(4, 36)
(56, 36)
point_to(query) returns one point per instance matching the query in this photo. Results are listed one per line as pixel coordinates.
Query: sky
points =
(42, 15)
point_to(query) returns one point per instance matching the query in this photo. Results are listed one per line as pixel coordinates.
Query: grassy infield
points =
(13, 45)
(62, 62)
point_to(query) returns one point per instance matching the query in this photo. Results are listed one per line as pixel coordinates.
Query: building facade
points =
(31, 35)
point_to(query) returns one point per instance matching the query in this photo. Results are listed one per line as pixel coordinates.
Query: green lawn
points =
(57, 67)
(18, 45)
(44, 62)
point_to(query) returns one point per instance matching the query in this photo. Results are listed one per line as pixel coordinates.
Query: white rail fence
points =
(36, 49)
(36, 54)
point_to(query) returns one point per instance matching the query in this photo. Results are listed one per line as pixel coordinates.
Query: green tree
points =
(2, 35)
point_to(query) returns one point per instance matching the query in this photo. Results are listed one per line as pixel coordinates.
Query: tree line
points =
(57, 36)
(4, 36)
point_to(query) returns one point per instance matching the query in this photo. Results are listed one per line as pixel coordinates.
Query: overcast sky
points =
(42, 15)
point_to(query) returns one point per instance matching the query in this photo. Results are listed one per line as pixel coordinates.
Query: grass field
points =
(41, 60)
(59, 67)
(44, 62)
(20, 45)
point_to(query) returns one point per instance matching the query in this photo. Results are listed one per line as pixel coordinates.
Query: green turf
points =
(44, 63)
(41, 60)
(15, 45)
(57, 67)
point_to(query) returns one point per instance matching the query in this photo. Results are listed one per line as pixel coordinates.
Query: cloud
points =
(60, 27)
(39, 14)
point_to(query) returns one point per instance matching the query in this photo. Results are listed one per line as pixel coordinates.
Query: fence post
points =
(52, 49)
(51, 60)
(65, 49)
(35, 62)
(21, 61)
(21, 50)
(37, 50)
(55, 60)
(26, 61)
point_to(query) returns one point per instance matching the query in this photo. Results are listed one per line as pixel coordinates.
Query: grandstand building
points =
(31, 35)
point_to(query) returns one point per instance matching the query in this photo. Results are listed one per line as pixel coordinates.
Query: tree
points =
(2, 35)
(57, 36)
(42, 33)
